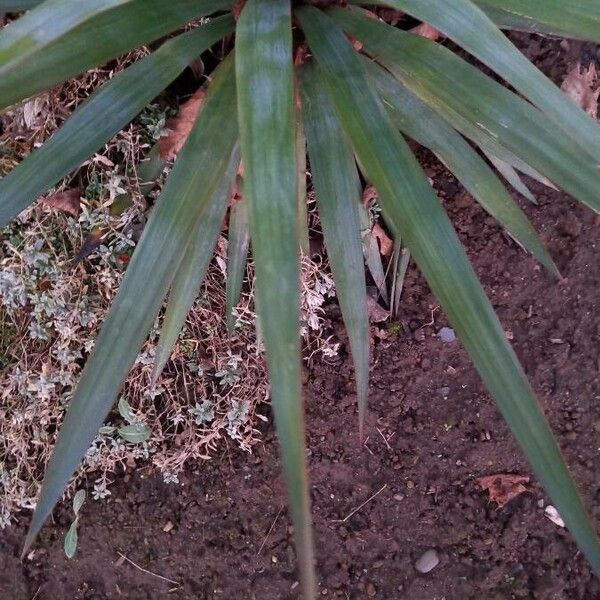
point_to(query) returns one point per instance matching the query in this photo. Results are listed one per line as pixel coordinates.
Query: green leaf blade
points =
(237, 257)
(51, 43)
(477, 106)
(467, 25)
(337, 186)
(193, 267)
(425, 126)
(71, 539)
(266, 107)
(160, 250)
(410, 203)
(579, 20)
(106, 112)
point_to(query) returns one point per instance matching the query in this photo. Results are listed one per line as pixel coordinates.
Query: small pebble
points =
(398, 497)
(554, 516)
(444, 391)
(371, 590)
(427, 561)
(446, 334)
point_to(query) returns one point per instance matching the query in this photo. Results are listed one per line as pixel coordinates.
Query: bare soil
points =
(433, 430)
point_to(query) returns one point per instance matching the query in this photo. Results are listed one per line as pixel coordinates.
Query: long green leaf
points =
(107, 111)
(578, 19)
(422, 124)
(303, 233)
(510, 174)
(470, 101)
(62, 38)
(266, 106)
(197, 173)
(467, 25)
(193, 267)
(17, 5)
(411, 204)
(337, 186)
(237, 257)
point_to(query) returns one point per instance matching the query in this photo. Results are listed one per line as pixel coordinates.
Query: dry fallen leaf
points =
(67, 201)
(503, 488)
(583, 86)
(427, 31)
(375, 311)
(391, 16)
(181, 126)
(91, 242)
(386, 245)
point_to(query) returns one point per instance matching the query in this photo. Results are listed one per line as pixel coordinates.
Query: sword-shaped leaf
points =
(192, 183)
(102, 115)
(62, 38)
(266, 107)
(337, 187)
(579, 19)
(467, 25)
(237, 257)
(193, 267)
(469, 100)
(425, 126)
(410, 203)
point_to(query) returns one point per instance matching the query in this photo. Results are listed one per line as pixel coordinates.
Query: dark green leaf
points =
(578, 19)
(193, 267)
(337, 187)
(471, 101)
(195, 176)
(425, 126)
(107, 111)
(17, 5)
(266, 106)
(237, 256)
(62, 38)
(471, 28)
(410, 203)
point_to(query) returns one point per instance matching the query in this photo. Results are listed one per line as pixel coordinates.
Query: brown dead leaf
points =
(66, 202)
(583, 86)
(503, 488)
(238, 7)
(386, 245)
(427, 31)
(302, 54)
(375, 311)
(90, 244)
(391, 16)
(181, 126)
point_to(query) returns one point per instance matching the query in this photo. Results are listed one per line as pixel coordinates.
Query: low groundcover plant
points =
(335, 77)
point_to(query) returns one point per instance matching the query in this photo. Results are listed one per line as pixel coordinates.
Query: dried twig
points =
(149, 572)
(363, 504)
(269, 532)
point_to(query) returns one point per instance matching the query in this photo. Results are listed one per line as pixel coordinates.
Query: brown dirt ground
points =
(231, 535)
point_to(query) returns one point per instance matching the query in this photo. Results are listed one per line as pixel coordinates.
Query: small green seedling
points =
(71, 537)
(135, 432)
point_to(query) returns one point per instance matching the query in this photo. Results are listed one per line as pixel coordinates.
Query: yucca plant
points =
(360, 86)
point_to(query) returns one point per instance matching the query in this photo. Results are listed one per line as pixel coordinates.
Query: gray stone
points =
(427, 561)
(446, 334)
